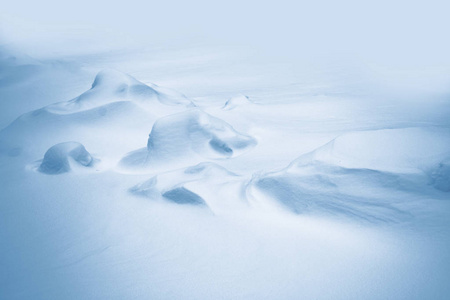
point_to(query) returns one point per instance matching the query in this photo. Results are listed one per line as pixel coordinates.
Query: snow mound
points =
(206, 184)
(406, 150)
(113, 86)
(36, 131)
(190, 137)
(60, 158)
(195, 131)
(348, 194)
(368, 175)
(233, 102)
(116, 103)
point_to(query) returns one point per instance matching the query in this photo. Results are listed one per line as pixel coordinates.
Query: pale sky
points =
(402, 32)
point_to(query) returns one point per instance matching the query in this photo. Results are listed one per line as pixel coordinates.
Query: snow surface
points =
(313, 189)
(236, 101)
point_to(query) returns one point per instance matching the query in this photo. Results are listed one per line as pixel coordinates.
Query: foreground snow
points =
(132, 190)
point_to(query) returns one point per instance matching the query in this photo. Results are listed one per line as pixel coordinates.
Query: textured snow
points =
(189, 135)
(113, 86)
(301, 189)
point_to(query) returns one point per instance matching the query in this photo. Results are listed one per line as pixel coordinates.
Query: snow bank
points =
(58, 159)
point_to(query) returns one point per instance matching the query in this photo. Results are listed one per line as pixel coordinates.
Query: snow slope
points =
(236, 101)
(405, 150)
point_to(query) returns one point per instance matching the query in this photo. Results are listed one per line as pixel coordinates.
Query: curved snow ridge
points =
(206, 184)
(370, 175)
(406, 150)
(237, 101)
(62, 157)
(112, 86)
(190, 136)
(98, 113)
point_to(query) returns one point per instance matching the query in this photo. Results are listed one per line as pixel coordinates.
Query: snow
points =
(298, 187)
(199, 184)
(440, 176)
(402, 150)
(58, 158)
(186, 135)
(113, 86)
(236, 101)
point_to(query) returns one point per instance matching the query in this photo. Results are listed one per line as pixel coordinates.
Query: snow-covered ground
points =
(201, 172)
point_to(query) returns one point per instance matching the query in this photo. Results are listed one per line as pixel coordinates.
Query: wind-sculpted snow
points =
(205, 184)
(351, 194)
(372, 175)
(116, 103)
(189, 136)
(406, 150)
(196, 131)
(265, 199)
(112, 86)
(60, 158)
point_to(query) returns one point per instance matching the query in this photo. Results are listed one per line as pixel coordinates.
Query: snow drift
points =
(112, 86)
(162, 234)
(116, 103)
(206, 184)
(405, 150)
(190, 136)
(370, 175)
(59, 158)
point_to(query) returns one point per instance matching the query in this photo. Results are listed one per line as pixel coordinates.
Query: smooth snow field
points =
(206, 173)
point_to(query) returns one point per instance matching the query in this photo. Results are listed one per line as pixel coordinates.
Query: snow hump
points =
(59, 158)
(179, 135)
(113, 86)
